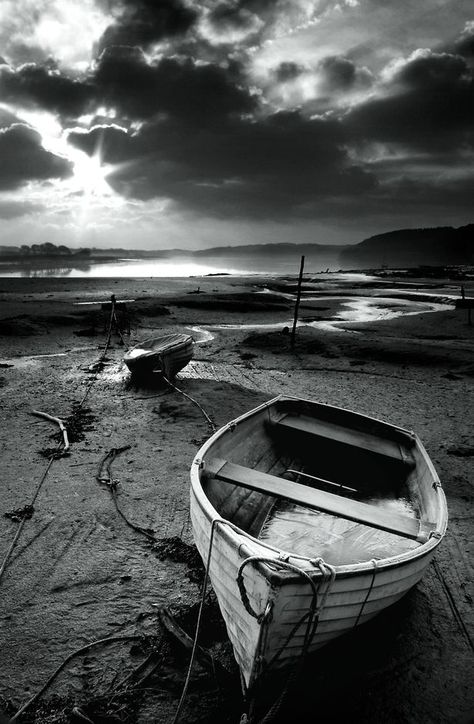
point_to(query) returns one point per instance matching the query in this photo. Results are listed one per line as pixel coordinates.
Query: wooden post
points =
(297, 304)
(466, 303)
(463, 296)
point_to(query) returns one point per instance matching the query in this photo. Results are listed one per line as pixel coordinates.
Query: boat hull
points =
(166, 355)
(351, 596)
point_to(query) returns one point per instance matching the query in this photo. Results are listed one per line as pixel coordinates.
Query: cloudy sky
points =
(178, 123)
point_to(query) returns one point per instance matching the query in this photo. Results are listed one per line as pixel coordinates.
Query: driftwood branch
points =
(59, 422)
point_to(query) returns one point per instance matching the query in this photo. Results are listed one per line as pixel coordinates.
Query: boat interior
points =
(316, 480)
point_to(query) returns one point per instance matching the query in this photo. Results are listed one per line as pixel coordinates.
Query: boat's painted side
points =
(358, 592)
(167, 354)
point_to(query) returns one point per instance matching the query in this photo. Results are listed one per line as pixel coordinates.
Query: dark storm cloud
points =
(428, 104)
(233, 18)
(240, 14)
(427, 71)
(44, 87)
(115, 142)
(23, 159)
(341, 74)
(20, 52)
(199, 136)
(145, 22)
(465, 44)
(182, 88)
(326, 86)
(288, 71)
(279, 165)
(124, 80)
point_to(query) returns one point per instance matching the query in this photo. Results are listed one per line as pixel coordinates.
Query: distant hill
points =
(285, 249)
(439, 246)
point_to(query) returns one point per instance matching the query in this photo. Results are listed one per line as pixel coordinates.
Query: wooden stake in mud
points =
(297, 303)
(465, 303)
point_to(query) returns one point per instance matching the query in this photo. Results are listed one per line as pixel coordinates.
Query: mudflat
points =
(78, 573)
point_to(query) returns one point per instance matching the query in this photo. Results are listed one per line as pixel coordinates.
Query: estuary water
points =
(179, 266)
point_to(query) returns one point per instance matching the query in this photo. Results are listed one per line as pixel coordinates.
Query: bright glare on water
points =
(126, 268)
(179, 266)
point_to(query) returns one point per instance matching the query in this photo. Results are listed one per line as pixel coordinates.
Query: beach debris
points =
(59, 422)
(171, 626)
(96, 366)
(20, 514)
(79, 714)
(52, 452)
(78, 422)
(173, 548)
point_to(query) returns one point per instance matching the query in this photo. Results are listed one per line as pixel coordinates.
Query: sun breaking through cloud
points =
(308, 117)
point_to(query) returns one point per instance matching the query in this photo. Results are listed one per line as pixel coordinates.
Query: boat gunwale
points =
(229, 530)
(180, 339)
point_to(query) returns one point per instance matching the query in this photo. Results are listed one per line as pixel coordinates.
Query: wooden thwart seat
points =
(346, 436)
(354, 510)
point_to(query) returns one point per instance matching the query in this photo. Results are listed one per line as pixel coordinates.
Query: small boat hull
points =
(253, 578)
(165, 355)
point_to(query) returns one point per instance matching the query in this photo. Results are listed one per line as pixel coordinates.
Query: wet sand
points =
(78, 573)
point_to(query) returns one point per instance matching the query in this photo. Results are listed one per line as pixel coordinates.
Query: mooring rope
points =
(311, 617)
(104, 476)
(25, 516)
(62, 447)
(214, 525)
(453, 605)
(117, 325)
(369, 591)
(98, 364)
(55, 674)
(328, 576)
(210, 422)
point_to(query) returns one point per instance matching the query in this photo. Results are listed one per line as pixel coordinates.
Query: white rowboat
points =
(313, 519)
(167, 354)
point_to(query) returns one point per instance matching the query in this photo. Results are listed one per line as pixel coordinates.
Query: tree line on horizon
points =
(49, 249)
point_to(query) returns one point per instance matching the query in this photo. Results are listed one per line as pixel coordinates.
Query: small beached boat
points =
(167, 355)
(312, 519)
